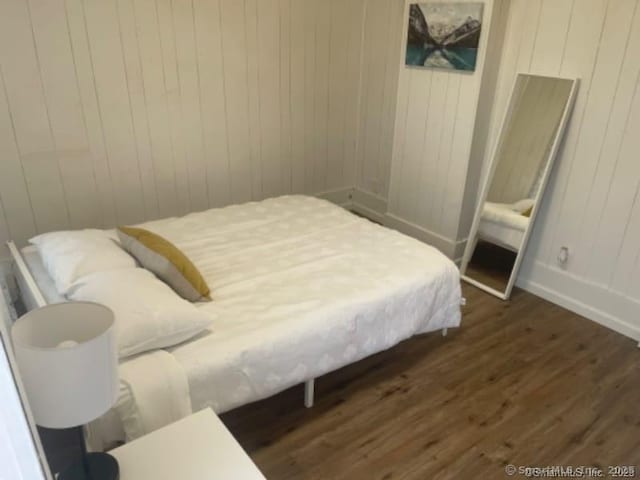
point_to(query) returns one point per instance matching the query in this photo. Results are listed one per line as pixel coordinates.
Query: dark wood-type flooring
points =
(521, 382)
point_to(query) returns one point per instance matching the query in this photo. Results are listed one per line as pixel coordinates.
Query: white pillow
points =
(68, 256)
(148, 314)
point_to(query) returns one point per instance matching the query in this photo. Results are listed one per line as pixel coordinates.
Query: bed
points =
(301, 287)
(504, 224)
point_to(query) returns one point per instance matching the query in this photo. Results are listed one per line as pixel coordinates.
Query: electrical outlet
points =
(563, 256)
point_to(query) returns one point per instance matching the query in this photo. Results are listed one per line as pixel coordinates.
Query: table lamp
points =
(67, 358)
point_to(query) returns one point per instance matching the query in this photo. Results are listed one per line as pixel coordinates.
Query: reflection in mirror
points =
(530, 135)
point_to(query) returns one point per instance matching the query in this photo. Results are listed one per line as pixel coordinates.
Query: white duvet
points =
(507, 214)
(504, 224)
(301, 287)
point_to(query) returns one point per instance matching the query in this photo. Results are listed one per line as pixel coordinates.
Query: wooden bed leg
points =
(308, 393)
(444, 332)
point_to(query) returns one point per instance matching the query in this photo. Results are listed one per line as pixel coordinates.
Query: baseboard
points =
(595, 302)
(369, 205)
(459, 248)
(444, 244)
(375, 207)
(341, 196)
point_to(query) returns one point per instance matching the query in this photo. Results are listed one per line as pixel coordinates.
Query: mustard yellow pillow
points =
(166, 261)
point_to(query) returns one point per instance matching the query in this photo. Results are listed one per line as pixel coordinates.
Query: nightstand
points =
(198, 447)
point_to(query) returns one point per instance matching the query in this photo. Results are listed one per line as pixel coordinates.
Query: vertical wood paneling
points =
(30, 119)
(596, 118)
(616, 224)
(126, 110)
(213, 103)
(382, 50)
(148, 37)
(188, 78)
(51, 36)
(445, 150)
(416, 123)
(174, 99)
(591, 204)
(602, 181)
(393, 52)
(284, 93)
(432, 139)
(321, 94)
(253, 86)
(357, 13)
(580, 52)
(135, 86)
(375, 36)
(402, 109)
(460, 153)
(338, 87)
(17, 210)
(298, 96)
(113, 99)
(269, 93)
(526, 49)
(235, 69)
(625, 265)
(546, 57)
(91, 112)
(633, 287)
(310, 8)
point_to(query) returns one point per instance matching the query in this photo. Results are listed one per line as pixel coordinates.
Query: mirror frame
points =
(549, 160)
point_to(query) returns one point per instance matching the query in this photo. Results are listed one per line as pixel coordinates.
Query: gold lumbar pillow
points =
(527, 212)
(166, 261)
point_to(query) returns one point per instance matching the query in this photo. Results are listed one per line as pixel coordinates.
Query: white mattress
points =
(301, 287)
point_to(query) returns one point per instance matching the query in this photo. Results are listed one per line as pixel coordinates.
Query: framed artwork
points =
(444, 35)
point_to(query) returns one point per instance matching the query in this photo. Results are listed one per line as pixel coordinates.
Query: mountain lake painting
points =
(444, 35)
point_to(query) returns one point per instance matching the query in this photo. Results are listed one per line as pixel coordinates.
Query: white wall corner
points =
(479, 153)
(369, 205)
(374, 207)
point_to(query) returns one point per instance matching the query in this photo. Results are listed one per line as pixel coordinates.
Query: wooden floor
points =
(521, 382)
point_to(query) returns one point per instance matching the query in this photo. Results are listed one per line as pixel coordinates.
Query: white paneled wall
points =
(383, 29)
(434, 124)
(118, 111)
(592, 205)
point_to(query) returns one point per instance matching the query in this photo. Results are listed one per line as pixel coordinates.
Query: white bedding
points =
(40, 275)
(504, 224)
(301, 287)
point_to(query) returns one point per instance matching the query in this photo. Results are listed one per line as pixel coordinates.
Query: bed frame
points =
(29, 291)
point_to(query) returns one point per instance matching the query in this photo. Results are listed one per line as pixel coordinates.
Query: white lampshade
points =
(67, 358)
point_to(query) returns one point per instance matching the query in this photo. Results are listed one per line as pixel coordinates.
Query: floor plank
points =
(523, 382)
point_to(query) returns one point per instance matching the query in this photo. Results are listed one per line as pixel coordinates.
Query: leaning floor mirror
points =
(522, 159)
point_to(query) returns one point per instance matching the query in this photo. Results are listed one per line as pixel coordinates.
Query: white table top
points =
(195, 448)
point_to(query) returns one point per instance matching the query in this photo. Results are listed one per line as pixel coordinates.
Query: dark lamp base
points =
(97, 466)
